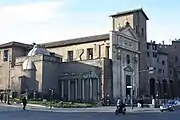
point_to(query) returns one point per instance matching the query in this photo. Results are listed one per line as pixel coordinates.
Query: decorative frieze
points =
(89, 74)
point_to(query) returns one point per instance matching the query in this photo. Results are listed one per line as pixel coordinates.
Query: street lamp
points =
(26, 94)
(34, 95)
(9, 77)
(51, 94)
(157, 99)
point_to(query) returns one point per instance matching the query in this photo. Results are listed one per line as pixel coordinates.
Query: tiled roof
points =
(81, 40)
(10, 44)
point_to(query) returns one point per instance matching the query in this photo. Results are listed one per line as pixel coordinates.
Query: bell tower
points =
(138, 21)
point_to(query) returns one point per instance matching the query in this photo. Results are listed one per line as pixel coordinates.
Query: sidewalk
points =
(93, 109)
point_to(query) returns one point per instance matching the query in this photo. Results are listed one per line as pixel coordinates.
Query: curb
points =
(36, 105)
(69, 110)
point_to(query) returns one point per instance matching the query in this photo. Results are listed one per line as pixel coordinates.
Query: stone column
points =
(91, 95)
(62, 89)
(69, 90)
(83, 97)
(98, 89)
(76, 89)
(102, 79)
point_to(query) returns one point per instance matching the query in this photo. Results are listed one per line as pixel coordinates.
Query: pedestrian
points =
(24, 101)
(5, 99)
(142, 102)
(139, 103)
(1, 97)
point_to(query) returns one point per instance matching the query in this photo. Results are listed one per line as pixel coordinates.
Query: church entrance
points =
(152, 87)
(128, 84)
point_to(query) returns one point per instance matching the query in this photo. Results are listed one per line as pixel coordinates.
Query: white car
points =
(171, 105)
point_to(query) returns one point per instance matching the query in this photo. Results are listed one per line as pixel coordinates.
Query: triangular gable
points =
(128, 31)
(128, 69)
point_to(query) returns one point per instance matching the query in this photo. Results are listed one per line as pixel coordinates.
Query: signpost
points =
(51, 94)
(150, 70)
(9, 78)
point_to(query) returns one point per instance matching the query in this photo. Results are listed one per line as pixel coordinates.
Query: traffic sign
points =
(151, 70)
(129, 86)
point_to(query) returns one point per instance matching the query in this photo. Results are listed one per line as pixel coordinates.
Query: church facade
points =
(87, 68)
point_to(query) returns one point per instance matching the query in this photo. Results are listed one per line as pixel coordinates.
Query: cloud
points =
(17, 20)
(47, 21)
(32, 12)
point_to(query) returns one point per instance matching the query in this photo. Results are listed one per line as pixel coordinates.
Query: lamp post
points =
(51, 94)
(9, 77)
(157, 99)
(26, 94)
(34, 95)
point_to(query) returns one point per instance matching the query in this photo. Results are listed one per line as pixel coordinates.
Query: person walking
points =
(24, 101)
(1, 97)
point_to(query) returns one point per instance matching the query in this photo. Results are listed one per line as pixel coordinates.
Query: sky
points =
(43, 21)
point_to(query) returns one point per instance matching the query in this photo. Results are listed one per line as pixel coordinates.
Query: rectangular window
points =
(160, 70)
(107, 51)
(176, 58)
(148, 45)
(163, 62)
(148, 54)
(5, 55)
(90, 53)
(142, 31)
(70, 55)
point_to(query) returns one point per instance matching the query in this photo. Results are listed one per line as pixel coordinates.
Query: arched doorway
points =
(171, 89)
(152, 87)
(165, 88)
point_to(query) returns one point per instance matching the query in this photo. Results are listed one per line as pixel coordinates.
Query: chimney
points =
(163, 42)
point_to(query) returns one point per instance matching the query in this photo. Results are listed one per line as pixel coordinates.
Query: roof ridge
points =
(129, 11)
(79, 40)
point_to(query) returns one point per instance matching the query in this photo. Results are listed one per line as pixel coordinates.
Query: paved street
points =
(37, 113)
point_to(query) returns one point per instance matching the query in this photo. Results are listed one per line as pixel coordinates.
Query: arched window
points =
(128, 59)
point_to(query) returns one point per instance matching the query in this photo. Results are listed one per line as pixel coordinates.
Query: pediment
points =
(128, 69)
(128, 31)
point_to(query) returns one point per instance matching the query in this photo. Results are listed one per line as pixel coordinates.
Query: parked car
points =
(171, 105)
